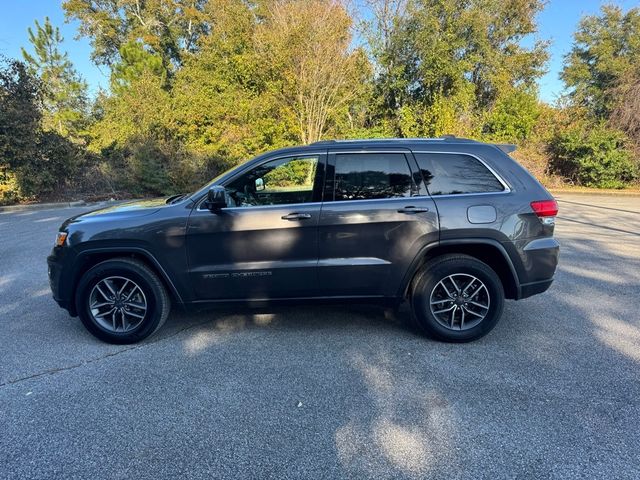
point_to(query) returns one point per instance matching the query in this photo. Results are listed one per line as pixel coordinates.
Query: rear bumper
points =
(534, 288)
(539, 259)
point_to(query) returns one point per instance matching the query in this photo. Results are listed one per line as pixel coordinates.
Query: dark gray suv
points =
(451, 225)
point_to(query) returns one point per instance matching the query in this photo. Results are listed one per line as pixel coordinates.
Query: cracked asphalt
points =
(335, 391)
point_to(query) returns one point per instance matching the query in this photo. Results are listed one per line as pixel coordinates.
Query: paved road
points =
(332, 392)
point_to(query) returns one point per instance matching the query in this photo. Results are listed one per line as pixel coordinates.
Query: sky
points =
(556, 23)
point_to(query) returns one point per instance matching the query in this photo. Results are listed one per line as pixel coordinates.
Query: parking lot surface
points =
(332, 391)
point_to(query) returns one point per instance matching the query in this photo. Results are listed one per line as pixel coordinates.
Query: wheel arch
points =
(87, 259)
(486, 250)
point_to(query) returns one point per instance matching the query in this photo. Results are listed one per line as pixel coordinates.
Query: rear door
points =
(375, 218)
(265, 244)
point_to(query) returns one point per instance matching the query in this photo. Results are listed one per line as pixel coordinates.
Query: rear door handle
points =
(296, 216)
(412, 209)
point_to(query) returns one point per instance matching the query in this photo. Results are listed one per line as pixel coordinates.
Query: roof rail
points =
(442, 138)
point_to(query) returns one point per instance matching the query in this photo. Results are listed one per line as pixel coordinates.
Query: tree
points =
(513, 116)
(439, 60)
(19, 120)
(135, 62)
(606, 49)
(306, 46)
(133, 133)
(39, 161)
(224, 107)
(169, 29)
(626, 111)
(64, 93)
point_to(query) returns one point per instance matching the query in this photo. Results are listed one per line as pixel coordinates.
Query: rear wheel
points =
(456, 298)
(122, 301)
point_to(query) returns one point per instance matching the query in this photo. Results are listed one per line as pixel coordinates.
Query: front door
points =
(375, 219)
(264, 245)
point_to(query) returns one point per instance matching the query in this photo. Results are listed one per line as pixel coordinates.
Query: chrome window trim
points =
(388, 199)
(504, 184)
(244, 209)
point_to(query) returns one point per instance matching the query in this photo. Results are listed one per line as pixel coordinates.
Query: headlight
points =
(61, 238)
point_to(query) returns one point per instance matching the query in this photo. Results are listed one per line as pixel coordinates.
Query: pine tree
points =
(65, 93)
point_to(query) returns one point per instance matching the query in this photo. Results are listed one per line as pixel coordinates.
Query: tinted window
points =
(281, 181)
(451, 173)
(367, 176)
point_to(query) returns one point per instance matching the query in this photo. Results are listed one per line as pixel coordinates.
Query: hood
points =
(135, 208)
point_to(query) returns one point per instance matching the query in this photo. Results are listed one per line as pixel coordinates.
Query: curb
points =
(47, 206)
(601, 193)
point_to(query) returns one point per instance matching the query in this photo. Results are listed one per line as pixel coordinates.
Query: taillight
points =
(546, 210)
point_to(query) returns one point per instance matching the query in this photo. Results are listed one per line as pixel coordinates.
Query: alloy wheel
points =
(459, 301)
(117, 304)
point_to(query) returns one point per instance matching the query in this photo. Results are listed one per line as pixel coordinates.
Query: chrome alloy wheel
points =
(117, 304)
(459, 301)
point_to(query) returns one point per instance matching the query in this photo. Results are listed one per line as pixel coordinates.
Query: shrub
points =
(592, 156)
(54, 164)
(513, 118)
(9, 190)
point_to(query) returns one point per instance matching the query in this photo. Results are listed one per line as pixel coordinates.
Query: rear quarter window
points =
(456, 173)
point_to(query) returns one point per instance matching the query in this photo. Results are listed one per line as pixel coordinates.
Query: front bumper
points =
(58, 278)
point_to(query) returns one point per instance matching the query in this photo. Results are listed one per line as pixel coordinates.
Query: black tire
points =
(157, 300)
(425, 283)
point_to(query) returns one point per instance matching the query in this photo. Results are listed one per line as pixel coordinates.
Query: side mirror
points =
(216, 198)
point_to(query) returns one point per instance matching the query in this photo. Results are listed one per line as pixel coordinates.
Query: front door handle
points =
(412, 209)
(296, 216)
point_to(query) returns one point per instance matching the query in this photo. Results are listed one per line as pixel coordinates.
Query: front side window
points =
(456, 173)
(366, 176)
(277, 182)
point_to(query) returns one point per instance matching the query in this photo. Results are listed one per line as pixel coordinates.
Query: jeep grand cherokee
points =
(450, 225)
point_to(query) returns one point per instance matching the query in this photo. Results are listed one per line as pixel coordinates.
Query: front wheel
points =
(456, 298)
(122, 301)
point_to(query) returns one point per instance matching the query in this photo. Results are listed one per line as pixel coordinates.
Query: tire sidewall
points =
(126, 270)
(428, 279)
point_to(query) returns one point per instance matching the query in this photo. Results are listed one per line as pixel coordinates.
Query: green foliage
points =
(442, 61)
(19, 122)
(9, 188)
(224, 105)
(37, 161)
(135, 62)
(513, 117)
(169, 29)
(57, 160)
(592, 155)
(606, 48)
(197, 86)
(64, 93)
(292, 174)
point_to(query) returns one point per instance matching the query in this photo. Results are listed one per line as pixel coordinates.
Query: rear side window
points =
(366, 176)
(456, 173)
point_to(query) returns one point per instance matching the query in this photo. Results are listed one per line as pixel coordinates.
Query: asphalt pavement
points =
(332, 391)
